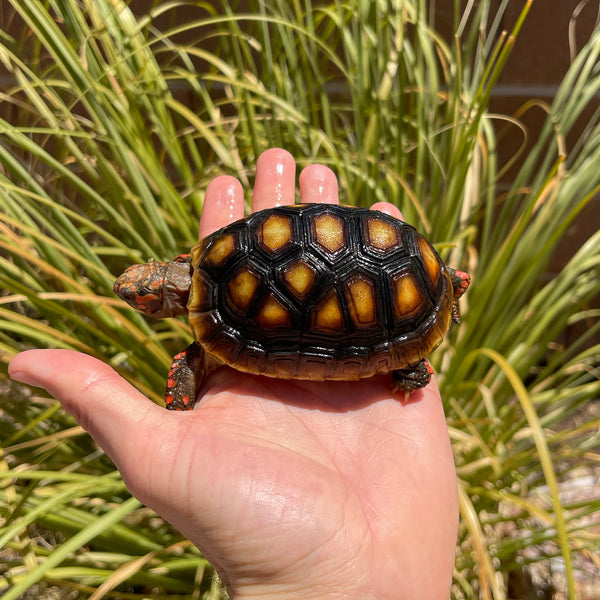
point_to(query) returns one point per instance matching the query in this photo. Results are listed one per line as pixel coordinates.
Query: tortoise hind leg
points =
(460, 283)
(412, 378)
(186, 375)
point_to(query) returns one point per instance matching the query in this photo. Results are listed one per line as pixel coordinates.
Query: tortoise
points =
(306, 291)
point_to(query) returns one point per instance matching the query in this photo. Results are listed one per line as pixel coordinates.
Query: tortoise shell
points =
(320, 292)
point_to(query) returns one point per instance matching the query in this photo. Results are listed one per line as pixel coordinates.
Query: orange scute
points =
(221, 249)
(360, 294)
(328, 313)
(274, 314)
(329, 232)
(382, 235)
(300, 278)
(242, 287)
(430, 259)
(407, 296)
(275, 233)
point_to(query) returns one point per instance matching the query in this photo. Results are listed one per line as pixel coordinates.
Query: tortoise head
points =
(158, 289)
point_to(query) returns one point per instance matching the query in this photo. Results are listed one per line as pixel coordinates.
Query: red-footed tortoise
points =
(310, 291)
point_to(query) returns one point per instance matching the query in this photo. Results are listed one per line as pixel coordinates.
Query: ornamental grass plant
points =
(111, 126)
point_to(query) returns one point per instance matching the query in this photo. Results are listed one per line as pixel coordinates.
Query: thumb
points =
(115, 414)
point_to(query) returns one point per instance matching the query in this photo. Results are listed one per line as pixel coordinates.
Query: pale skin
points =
(292, 489)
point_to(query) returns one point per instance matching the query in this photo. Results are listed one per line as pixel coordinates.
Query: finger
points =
(275, 183)
(388, 208)
(318, 183)
(223, 204)
(102, 402)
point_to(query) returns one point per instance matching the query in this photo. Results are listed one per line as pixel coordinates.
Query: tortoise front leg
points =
(186, 375)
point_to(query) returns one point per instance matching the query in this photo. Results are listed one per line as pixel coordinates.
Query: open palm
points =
(292, 489)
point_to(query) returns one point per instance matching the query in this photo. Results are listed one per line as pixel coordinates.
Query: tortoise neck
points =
(176, 288)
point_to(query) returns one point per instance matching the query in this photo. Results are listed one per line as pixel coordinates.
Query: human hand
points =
(291, 489)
